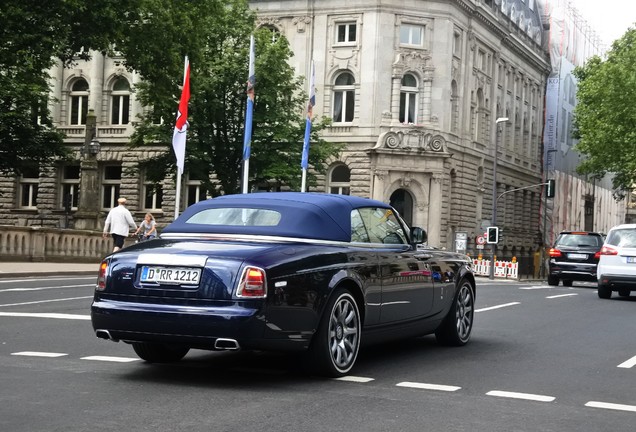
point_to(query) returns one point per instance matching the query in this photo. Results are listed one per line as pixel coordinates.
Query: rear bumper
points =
(618, 281)
(573, 271)
(196, 327)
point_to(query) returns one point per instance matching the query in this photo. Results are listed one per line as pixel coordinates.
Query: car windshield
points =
(580, 240)
(622, 238)
(236, 216)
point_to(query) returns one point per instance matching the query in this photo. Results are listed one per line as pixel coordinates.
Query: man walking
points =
(119, 221)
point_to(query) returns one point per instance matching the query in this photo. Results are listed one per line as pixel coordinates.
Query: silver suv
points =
(616, 270)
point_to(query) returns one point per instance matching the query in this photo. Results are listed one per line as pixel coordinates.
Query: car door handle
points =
(423, 256)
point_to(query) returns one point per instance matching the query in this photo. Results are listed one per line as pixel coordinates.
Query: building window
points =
(340, 180)
(120, 102)
(29, 181)
(79, 102)
(195, 189)
(457, 44)
(111, 183)
(69, 190)
(153, 196)
(346, 33)
(408, 99)
(343, 98)
(411, 34)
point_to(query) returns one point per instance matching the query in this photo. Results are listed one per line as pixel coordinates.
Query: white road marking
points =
(44, 288)
(46, 315)
(561, 295)
(358, 379)
(45, 301)
(425, 386)
(537, 287)
(497, 307)
(525, 396)
(3, 281)
(628, 364)
(611, 406)
(38, 354)
(110, 359)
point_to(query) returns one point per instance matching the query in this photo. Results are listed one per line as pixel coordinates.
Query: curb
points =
(47, 273)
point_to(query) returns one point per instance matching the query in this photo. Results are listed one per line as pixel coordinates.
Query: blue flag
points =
(251, 81)
(310, 106)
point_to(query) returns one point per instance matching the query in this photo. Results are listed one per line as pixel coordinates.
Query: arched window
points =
(340, 180)
(120, 102)
(79, 102)
(343, 98)
(408, 99)
(402, 201)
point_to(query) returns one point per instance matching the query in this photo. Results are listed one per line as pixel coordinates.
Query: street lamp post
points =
(494, 192)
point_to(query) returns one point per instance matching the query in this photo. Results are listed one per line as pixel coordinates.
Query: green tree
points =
(215, 35)
(33, 35)
(605, 114)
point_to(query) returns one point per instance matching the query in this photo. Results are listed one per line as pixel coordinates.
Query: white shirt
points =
(119, 220)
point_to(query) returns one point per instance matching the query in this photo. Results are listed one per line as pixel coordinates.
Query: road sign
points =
(481, 240)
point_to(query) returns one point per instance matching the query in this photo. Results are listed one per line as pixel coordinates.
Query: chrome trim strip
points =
(273, 239)
(172, 259)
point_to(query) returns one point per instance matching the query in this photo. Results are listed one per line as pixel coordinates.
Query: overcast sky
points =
(609, 18)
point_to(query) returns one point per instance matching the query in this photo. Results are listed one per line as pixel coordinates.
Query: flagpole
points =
(177, 199)
(251, 81)
(304, 163)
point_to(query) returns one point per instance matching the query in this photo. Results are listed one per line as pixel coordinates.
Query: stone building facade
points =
(414, 89)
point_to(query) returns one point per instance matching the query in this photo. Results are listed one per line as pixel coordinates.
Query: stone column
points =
(88, 214)
(435, 211)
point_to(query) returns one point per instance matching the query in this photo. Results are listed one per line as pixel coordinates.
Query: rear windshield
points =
(236, 216)
(622, 238)
(580, 240)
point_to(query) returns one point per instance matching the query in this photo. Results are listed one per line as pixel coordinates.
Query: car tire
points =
(624, 292)
(604, 291)
(159, 353)
(457, 326)
(567, 283)
(334, 348)
(553, 280)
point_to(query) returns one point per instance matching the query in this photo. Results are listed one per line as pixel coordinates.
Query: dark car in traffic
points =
(283, 271)
(574, 257)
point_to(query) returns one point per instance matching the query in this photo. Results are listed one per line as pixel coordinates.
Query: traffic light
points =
(549, 188)
(492, 235)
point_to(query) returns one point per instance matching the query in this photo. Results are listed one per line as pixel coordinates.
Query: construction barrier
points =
(503, 269)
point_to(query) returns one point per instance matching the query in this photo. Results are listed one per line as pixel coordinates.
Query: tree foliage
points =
(33, 35)
(605, 115)
(215, 36)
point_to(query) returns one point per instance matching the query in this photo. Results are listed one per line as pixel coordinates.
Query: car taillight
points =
(597, 255)
(608, 250)
(101, 277)
(554, 253)
(252, 283)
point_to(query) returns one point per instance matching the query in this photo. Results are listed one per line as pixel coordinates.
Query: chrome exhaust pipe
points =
(105, 334)
(226, 344)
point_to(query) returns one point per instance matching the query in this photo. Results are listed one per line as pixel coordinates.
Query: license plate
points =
(631, 259)
(170, 275)
(577, 256)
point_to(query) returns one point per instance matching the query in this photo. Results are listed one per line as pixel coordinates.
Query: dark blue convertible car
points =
(283, 271)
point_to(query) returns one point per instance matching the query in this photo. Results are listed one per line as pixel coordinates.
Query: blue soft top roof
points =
(303, 215)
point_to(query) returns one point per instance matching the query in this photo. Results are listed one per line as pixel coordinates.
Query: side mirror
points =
(418, 235)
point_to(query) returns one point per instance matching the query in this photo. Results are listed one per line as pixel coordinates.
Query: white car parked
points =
(616, 270)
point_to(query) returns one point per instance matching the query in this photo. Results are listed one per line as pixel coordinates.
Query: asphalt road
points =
(541, 359)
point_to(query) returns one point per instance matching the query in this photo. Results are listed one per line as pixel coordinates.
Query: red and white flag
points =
(181, 127)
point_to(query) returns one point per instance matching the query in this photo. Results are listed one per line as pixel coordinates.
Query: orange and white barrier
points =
(503, 269)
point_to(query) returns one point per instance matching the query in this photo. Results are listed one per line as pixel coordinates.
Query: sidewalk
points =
(39, 269)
